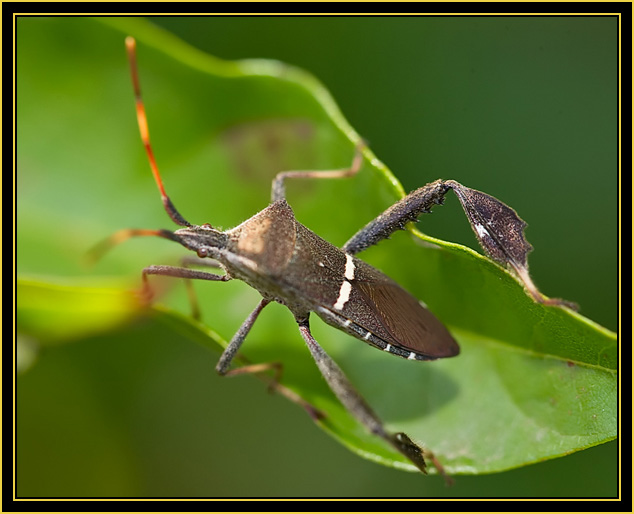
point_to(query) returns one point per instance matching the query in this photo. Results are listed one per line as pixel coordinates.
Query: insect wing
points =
(375, 309)
(357, 298)
(401, 320)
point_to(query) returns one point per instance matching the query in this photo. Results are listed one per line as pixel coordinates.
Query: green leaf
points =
(58, 313)
(532, 382)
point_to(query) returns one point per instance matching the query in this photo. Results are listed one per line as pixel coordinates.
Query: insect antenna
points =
(96, 252)
(130, 44)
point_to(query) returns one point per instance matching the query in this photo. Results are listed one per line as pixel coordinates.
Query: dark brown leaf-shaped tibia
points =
(407, 447)
(500, 232)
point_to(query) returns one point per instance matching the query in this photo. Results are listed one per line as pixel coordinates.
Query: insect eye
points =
(202, 252)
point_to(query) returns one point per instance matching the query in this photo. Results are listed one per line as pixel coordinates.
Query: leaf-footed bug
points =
(289, 264)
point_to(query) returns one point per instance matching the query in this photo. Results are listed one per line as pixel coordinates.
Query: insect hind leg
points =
(397, 216)
(354, 402)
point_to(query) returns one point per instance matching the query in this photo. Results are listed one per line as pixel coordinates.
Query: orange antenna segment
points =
(130, 44)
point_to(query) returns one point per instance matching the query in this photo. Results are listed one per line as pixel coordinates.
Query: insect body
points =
(289, 264)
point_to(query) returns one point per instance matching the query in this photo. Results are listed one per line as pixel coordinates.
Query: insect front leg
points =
(187, 262)
(176, 272)
(278, 190)
(354, 402)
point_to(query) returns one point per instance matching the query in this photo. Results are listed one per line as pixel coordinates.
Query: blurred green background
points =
(522, 108)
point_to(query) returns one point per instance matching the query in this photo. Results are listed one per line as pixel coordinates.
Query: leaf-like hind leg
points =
(278, 190)
(497, 227)
(397, 216)
(355, 403)
(500, 232)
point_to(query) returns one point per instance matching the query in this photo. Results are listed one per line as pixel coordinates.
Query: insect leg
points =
(397, 216)
(498, 229)
(187, 262)
(278, 191)
(173, 271)
(355, 404)
(232, 349)
(227, 356)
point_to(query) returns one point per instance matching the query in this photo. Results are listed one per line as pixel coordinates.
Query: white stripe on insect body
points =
(344, 295)
(349, 273)
(346, 287)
